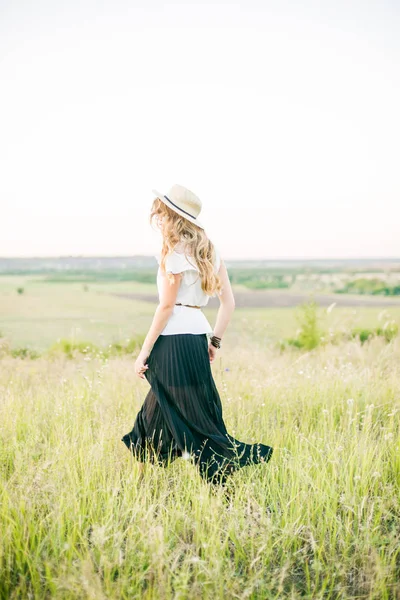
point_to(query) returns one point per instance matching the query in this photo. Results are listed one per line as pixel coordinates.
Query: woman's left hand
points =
(212, 352)
(140, 365)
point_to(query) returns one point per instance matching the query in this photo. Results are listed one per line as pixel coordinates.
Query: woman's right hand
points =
(212, 352)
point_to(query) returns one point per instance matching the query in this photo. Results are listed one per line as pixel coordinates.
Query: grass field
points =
(321, 520)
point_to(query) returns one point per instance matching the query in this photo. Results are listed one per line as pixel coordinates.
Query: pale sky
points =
(283, 117)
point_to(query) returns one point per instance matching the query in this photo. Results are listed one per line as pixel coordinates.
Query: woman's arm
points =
(226, 308)
(169, 292)
(227, 302)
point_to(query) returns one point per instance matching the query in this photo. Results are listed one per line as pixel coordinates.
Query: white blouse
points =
(185, 319)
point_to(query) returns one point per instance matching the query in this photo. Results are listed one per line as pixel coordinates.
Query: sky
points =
(283, 117)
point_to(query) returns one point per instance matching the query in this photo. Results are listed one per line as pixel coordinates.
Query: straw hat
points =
(182, 201)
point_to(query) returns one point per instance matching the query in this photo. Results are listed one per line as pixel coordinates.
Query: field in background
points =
(103, 313)
(320, 521)
(366, 277)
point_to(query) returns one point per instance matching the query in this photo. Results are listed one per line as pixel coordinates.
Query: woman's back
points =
(185, 319)
(190, 291)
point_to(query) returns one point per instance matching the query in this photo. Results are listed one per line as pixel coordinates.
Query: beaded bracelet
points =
(215, 341)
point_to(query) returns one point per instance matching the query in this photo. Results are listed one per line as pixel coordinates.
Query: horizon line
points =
(395, 258)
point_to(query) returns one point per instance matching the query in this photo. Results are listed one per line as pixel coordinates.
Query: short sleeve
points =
(177, 263)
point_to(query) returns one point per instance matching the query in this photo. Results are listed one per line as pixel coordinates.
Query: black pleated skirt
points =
(181, 415)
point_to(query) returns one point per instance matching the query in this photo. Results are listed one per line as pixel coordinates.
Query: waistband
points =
(191, 305)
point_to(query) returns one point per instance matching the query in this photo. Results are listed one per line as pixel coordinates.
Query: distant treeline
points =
(256, 279)
(260, 279)
(101, 277)
(369, 286)
(252, 274)
(250, 278)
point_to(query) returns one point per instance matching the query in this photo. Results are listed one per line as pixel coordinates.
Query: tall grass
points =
(321, 520)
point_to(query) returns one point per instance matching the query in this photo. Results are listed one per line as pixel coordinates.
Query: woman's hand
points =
(140, 365)
(212, 352)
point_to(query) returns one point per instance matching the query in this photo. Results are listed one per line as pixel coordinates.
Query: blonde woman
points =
(181, 415)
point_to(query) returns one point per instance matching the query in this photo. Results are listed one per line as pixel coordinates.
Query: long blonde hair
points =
(197, 246)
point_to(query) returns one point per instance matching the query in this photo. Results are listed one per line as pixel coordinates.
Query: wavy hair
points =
(197, 246)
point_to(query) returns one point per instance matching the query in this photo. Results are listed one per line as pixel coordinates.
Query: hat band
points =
(193, 217)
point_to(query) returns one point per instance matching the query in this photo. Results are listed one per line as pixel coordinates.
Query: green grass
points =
(320, 521)
(46, 312)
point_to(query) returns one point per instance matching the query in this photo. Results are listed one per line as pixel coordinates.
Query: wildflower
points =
(185, 455)
(330, 307)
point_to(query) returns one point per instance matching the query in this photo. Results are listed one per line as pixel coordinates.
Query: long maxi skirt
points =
(181, 415)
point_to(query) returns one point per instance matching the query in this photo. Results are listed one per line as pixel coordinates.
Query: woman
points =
(182, 413)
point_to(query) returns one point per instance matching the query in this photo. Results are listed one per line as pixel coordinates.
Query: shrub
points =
(389, 331)
(131, 346)
(309, 333)
(294, 342)
(362, 334)
(24, 352)
(72, 348)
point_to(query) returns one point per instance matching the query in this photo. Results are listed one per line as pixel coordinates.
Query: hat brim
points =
(177, 210)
